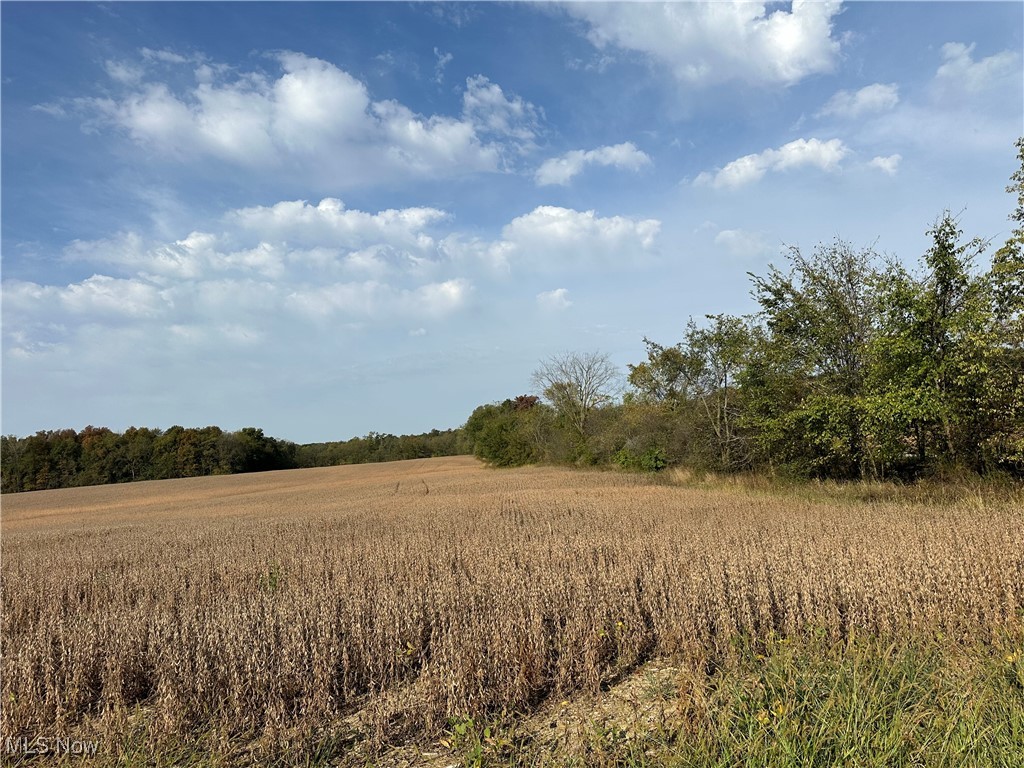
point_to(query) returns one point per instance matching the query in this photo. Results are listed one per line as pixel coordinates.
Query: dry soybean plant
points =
(377, 603)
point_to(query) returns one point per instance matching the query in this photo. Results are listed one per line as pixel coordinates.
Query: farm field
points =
(435, 612)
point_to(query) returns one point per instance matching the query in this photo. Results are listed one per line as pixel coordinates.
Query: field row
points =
(270, 609)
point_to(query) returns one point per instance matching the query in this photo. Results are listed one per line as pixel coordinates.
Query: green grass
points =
(783, 703)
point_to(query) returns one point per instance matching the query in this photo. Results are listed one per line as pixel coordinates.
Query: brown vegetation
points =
(373, 604)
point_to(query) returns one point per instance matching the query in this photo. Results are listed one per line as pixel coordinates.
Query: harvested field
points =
(323, 615)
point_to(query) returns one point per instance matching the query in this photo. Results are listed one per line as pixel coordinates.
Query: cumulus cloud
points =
(312, 118)
(869, 99)
(555, 300)
(99, 296)
(298, 221)
(713, 42)
(550, 238)
(276, 240)
(824, 155)
(959, 69)
(553, 237)
(888, 165)
(561, 170)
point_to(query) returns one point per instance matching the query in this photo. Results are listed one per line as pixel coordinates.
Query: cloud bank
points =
(269, 271)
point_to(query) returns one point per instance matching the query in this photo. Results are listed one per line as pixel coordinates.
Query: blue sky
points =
(329, 218)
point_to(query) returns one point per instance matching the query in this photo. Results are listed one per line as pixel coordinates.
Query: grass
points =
(435, 612)
(785, 702)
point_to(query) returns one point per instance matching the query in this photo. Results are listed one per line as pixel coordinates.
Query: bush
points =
(651, 460)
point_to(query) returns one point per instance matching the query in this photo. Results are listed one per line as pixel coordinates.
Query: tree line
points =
(66, 458)
(853, 367)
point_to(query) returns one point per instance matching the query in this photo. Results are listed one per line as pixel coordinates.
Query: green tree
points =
(714, 358)
(662, 378)
(658, 414)
(807, 385)
(507, 434)
(934, 357)
(101, 458)
(138, 453)
(15, 475)
(1006, 277)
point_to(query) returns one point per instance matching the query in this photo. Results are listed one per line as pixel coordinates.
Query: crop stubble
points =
(389, 598)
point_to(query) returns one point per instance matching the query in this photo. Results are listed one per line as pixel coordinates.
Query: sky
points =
(326, 219)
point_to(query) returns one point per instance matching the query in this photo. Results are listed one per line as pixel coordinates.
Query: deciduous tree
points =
(576, 384)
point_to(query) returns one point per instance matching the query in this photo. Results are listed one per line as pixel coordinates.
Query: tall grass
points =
(379, 608)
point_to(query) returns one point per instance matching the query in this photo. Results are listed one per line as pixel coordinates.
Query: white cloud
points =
(553, 237)
(561, 170)
(313, 119)
(267, 272)
(550, 238)
(555, 300)
(299, 222)
(743, 244)
(311, 105)
(443, 60)
(166, 56)
(51, 109)
(122, 248)
(434, 145)
(713, 42)
(959, 69)
(378, 300)
(486, 107)
(888, 165)
(123, 71)
(870, 99)
(99, 296)
(440, 298)
(970, 106)
(271, 241)
(824, 155)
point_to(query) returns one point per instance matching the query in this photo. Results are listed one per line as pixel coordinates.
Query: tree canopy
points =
(854, 366)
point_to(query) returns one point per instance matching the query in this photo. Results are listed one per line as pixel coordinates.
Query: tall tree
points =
(1006, 278)
(714, 358)
(577, 384)
(811, 368)
(952, 323)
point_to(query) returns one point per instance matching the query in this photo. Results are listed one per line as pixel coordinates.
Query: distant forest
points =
(854, 367)
(96, 455)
